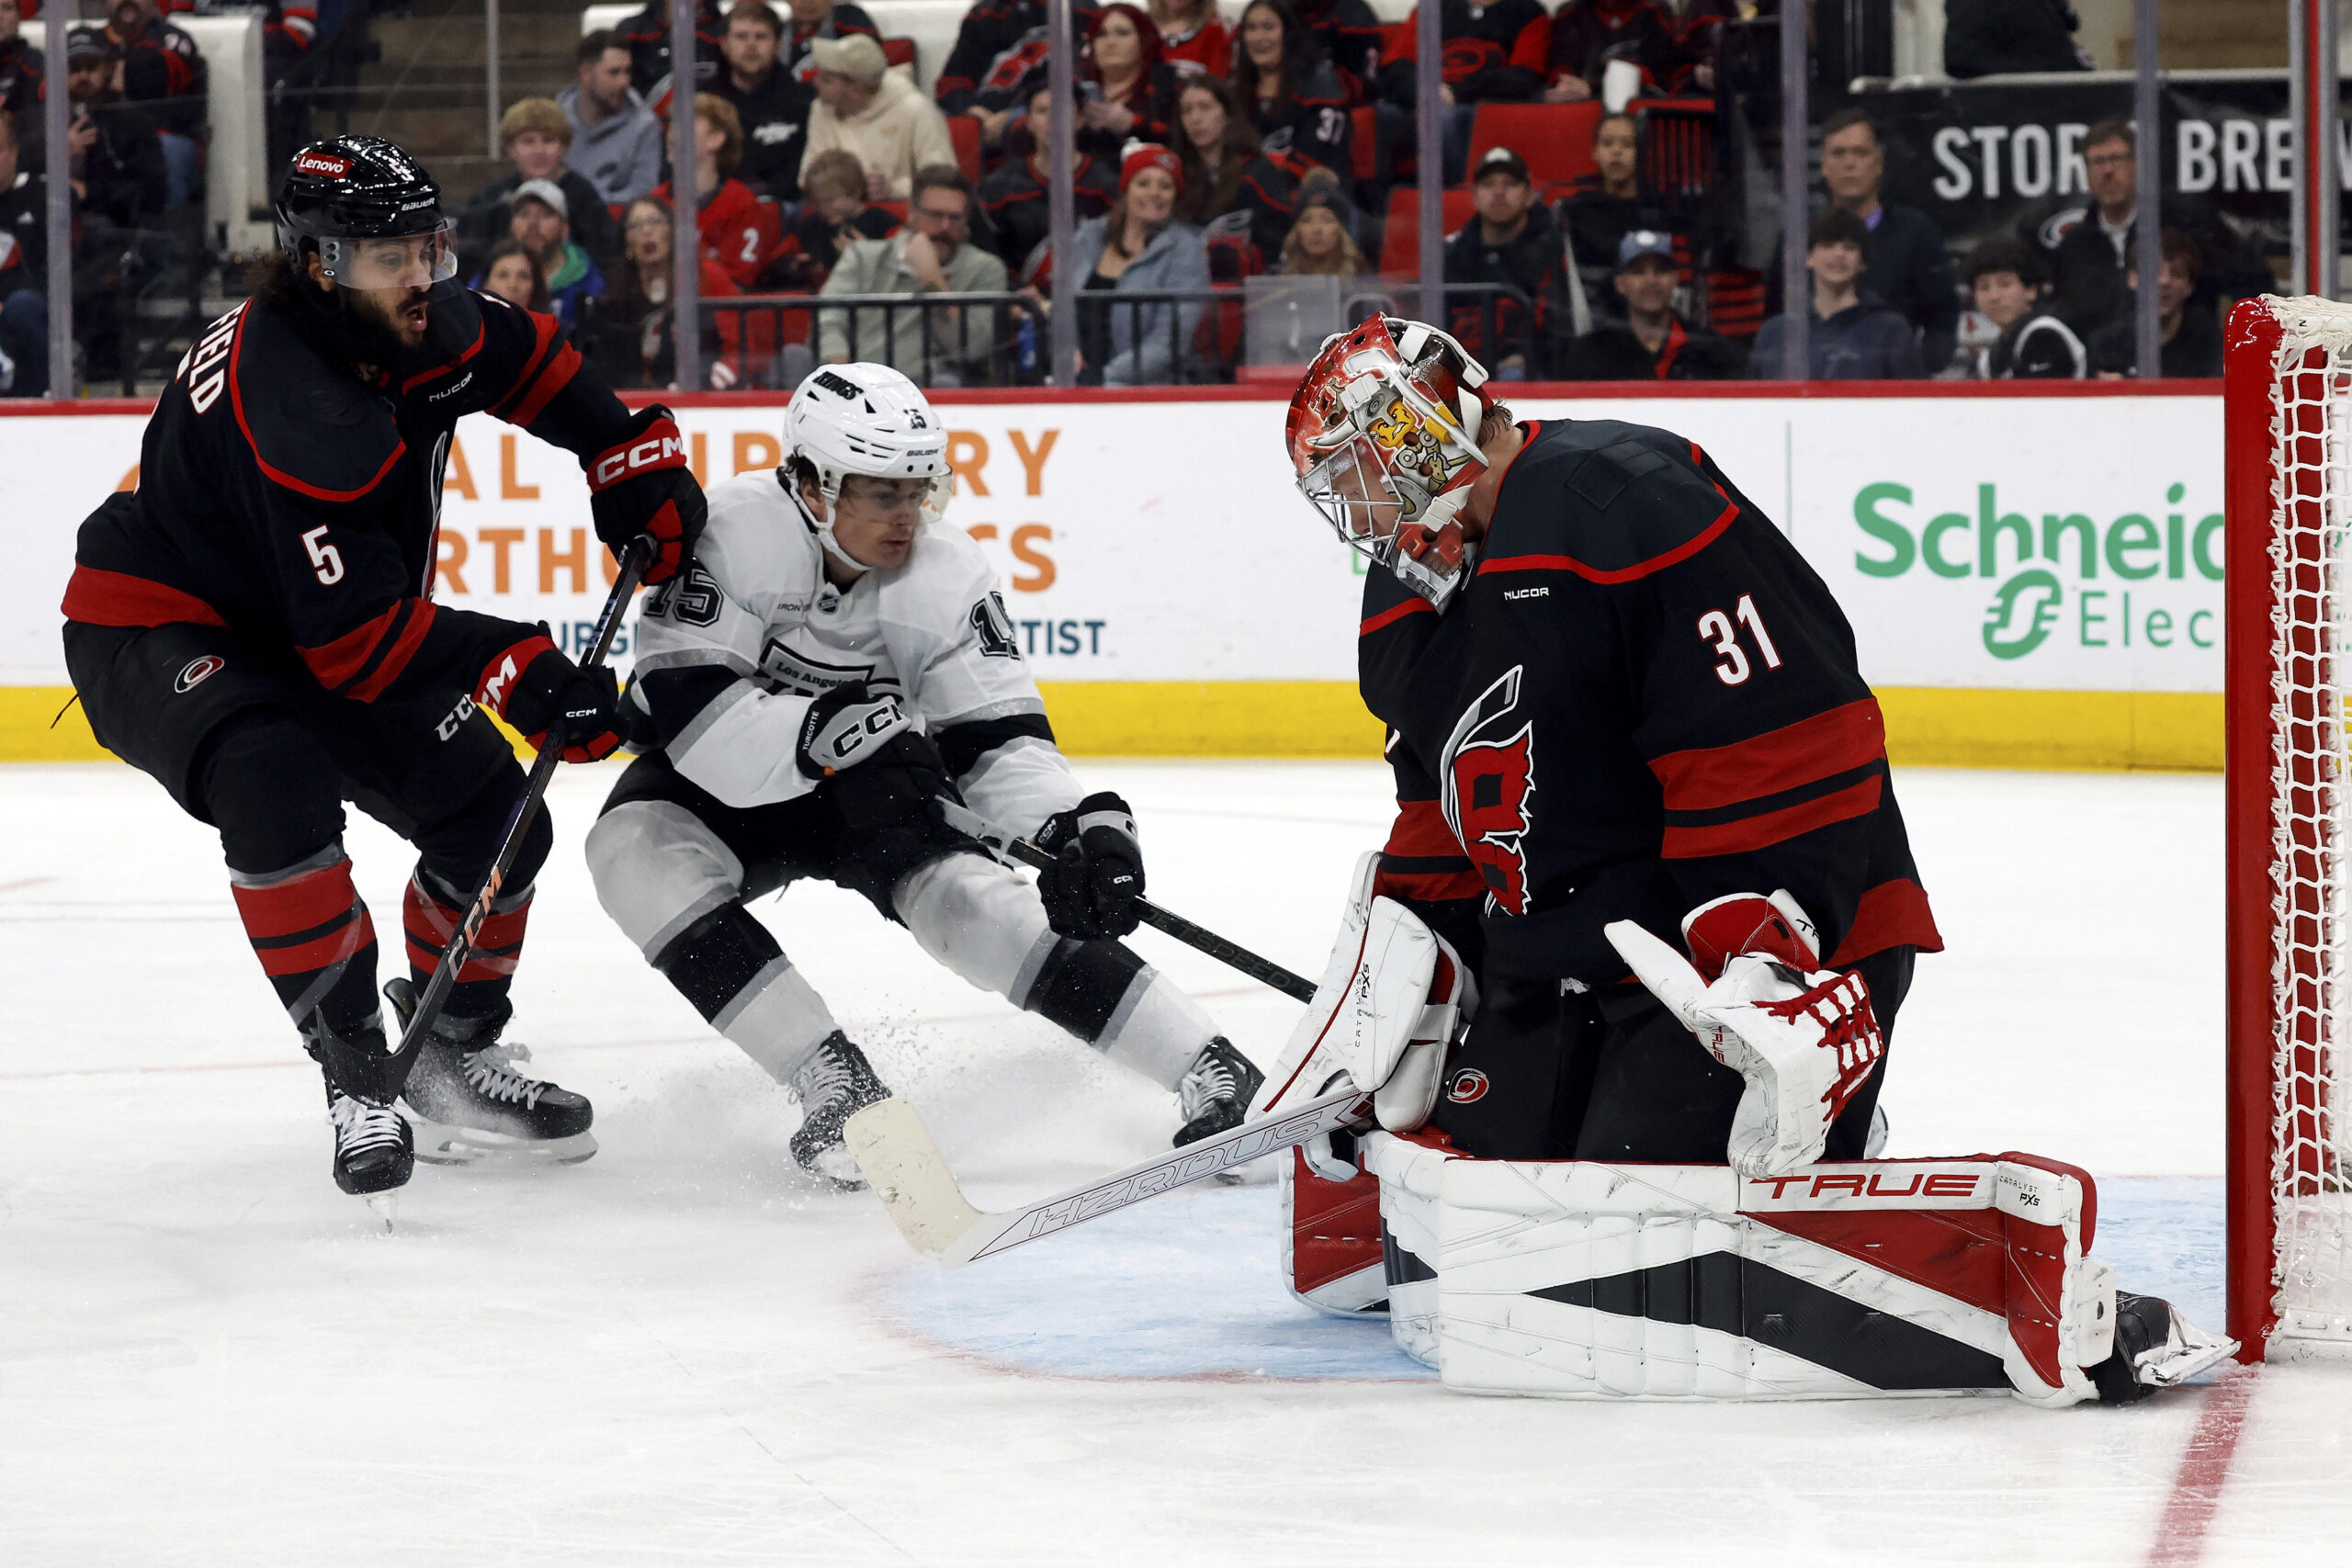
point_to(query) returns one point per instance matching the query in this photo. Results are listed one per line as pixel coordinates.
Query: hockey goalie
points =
(1624, 975)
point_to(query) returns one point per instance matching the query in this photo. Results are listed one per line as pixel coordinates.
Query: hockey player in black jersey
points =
(1643, 802)
(254, 628)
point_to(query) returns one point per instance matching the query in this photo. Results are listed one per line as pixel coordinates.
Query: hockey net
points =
(2289, 423)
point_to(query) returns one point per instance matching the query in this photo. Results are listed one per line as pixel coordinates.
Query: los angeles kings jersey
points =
(1643, 698)
(286, 498)
(731, 653)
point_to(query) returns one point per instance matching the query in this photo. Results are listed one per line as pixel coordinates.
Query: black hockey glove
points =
(581, 707)
(886, 779)
(1097, 874)
(642, 484)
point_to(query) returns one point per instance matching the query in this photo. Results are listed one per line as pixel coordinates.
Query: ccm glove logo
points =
(844, 726)
(663, 447)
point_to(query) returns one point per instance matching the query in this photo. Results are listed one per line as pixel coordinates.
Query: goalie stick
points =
(903, 1165)
(427, 1007)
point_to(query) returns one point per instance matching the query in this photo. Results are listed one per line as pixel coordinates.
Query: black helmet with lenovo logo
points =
(368, 211)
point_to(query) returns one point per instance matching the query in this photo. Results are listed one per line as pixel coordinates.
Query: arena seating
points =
(237, 181)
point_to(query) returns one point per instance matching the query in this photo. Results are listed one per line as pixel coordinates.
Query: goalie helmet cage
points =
(2287, 429)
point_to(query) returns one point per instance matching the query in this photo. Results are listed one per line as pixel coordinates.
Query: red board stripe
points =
(1791, 757)
(1773, 827)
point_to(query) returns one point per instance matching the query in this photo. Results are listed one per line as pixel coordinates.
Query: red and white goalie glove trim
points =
(1806, 1044)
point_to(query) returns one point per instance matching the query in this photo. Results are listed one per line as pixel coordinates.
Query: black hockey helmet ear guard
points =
(349, 189)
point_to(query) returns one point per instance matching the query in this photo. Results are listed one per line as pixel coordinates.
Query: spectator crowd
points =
(1209, 151)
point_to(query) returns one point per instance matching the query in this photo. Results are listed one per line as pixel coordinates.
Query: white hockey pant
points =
(670, 883)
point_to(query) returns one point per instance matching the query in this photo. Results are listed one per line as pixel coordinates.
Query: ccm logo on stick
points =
(657, 452)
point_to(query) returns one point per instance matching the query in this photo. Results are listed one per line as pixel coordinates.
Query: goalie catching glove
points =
(1803, 1038)
(1382, 1019)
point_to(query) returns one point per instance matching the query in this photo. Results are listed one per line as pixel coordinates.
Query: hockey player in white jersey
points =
(835, 662)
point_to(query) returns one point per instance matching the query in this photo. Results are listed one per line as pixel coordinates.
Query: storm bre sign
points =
(2144, 580)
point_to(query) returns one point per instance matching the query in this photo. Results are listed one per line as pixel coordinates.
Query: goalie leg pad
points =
(1582, 1280)
(1331, 1240)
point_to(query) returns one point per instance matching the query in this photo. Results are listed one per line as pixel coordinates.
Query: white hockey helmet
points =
(869, 420)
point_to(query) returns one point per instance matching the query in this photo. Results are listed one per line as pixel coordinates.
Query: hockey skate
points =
(374, 1153)
(1215, 1092)
(836, 1081)
(467, 1102)
(2155, 1347)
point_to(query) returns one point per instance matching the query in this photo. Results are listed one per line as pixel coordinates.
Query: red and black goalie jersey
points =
(282, 498)
(1642, 699)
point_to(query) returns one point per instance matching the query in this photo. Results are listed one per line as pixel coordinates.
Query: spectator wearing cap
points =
(535, 134)
(863, 108)
(1853, 336)
(1241, 202)
(2188, 334)
(770, 102)
(21, 74)
(1609, 205)
(833, 213)
(1318, 245)
(2005, 277)
(1139, 246)
(944, 345)
(24, 274)
(1016, 198)
(163, 70)
(1906, 263)
(538, 219)
(117, 158)
(1513, 242)
(616, 139)
(814, 19)
(1652, 343)
(739, 229)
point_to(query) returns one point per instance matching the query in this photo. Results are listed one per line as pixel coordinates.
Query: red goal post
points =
(2288, 428)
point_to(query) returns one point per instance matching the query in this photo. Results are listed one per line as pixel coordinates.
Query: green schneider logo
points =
(2029, 606)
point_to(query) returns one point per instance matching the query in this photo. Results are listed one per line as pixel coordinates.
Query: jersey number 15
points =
(1720, 630)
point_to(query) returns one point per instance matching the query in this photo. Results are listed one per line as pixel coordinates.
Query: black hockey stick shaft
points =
(1262, 970)
(454, 957)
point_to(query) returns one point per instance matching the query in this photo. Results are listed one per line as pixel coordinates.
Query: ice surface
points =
(682, 1352)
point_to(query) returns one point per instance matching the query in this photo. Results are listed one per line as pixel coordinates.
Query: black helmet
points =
(360, 188)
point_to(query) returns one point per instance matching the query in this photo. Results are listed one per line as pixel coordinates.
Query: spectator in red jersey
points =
(772, 104)
(739, 229)
(20, 77)
(1347, 31)
(813, 19)
(1494, 54)
(833, 213)
(162, 69)
(1588, 34)
(1015, 201)
(1192, 37)
(536, 135)
(1130, 91)
(1242, 204)
(647, 38)
(632, 333)
(1296, 100)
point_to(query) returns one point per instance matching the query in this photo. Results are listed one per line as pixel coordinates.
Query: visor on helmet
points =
(390, 261)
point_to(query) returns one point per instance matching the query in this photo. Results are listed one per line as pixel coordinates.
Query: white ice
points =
(681, 1352)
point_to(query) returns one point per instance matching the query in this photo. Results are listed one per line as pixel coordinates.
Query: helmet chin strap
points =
(823, 528)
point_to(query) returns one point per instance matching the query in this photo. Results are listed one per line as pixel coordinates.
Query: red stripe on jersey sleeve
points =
(1770, 828)
(1791, 757)
(338, 664)
(396, 658)
(1394, 613)
(1680, 553)
(544, 328)
(480, 332)
(1429, 886)
(97, 598)
(553, 379)
(1420, 832)
(1893, 914)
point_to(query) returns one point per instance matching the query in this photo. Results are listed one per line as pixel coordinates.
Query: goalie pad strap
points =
(1579, 1278)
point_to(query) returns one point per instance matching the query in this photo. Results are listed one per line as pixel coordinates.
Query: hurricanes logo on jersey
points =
(1487, 775)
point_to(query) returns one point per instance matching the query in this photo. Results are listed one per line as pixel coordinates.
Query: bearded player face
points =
(389, 282)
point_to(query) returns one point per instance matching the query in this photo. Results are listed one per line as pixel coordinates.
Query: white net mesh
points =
(2311, 804)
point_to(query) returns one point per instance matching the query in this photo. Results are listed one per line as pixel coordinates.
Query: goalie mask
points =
(867, 420)
(1384, 436)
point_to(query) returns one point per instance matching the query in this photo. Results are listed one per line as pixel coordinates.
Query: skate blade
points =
(437, 1145)
(385, 1206)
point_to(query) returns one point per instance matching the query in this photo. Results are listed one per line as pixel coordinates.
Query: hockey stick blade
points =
(906, 1170)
